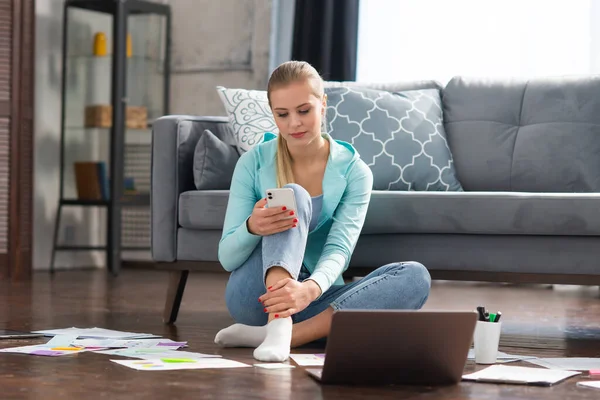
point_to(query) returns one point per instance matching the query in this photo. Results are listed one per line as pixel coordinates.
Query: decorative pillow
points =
(214, 162)
(400, 136)
(250, 115)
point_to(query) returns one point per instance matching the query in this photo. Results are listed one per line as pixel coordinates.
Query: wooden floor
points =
(564, 321)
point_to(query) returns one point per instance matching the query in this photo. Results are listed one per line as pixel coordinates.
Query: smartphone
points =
(10, 334)
(282, 197)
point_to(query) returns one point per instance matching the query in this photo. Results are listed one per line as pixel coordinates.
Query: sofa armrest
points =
(174, 139)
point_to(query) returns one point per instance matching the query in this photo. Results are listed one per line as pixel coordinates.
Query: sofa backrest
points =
(539, 135)
(397, 86)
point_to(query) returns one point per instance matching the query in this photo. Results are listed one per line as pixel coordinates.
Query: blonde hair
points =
(284, 74)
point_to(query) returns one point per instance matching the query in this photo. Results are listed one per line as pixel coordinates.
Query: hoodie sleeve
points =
(348, 221)
(237, 243)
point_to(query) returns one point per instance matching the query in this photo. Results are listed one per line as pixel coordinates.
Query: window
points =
(438, 39)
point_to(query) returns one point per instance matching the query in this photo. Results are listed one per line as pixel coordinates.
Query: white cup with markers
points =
(487, 336)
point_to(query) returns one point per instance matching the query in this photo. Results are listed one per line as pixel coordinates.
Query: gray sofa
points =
(527, 154)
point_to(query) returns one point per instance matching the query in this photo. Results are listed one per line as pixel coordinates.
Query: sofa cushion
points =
(494, 213)
(399, 135)
(203, 209)
(214, 162)
(541, 135)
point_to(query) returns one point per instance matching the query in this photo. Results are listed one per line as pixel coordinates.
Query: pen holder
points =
(486, 341)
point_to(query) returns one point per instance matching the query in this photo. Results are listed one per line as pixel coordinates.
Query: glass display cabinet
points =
(115, 83)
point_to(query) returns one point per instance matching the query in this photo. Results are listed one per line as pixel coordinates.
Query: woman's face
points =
(298, 113)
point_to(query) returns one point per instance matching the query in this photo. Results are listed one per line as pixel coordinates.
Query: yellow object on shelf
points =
(100, 44)
(129, 50)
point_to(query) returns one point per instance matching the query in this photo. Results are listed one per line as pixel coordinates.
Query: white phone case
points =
(281, 197)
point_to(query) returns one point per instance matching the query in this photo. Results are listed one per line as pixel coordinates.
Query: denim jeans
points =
(402, 285)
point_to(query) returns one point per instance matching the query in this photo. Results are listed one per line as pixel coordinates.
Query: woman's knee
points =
(415, 281)
(419, 277)
(303, 200)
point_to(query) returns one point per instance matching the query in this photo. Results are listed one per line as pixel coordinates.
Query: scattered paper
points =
(96, 333)
(274, 366)
(138, 343)
(592, 384)
(519, 375)
(308, 360)
(43, 350)
(171, 343)
(157, 353)
(571, 363)
(168, 365)
(502, 357)
(61, 341)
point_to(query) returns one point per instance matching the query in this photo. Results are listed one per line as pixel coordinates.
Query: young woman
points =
(286, 278)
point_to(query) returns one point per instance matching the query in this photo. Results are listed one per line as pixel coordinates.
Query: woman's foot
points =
(240, 335)
(276, 346)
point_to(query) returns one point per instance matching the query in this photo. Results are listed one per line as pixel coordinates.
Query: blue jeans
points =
(403, 285)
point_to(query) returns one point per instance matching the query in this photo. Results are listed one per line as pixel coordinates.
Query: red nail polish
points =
(291, 213)
(295, 220)
(259, 300)
(276, 315)
(293, 226)
(269, 287)
(265, 310)
(284, 208)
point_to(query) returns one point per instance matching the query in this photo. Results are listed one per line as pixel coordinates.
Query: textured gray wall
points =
(215, 42)
(224, 42)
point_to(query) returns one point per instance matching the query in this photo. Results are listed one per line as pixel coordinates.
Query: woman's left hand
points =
(288, 297)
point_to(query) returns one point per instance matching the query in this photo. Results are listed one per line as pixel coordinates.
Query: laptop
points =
(415, 347)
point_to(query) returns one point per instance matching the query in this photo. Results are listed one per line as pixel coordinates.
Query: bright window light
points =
(438, 39)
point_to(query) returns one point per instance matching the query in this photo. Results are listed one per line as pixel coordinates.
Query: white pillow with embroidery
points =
(249, 114)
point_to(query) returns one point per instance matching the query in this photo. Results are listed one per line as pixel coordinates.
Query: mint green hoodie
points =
(347, 187)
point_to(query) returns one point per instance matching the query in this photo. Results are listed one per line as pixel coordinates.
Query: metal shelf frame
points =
(120, 10)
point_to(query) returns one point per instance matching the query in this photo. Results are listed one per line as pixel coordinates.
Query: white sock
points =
(276, 346)
(240, 335)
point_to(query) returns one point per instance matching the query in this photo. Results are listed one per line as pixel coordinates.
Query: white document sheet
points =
(591, 384)
(156, 353)
(520, 375)
(308, 360)
(43, 350)
(572, 363)
(274, 366)
(96, 333)
(165, 344)
(61, 341)
(503, 357)
(159, 365)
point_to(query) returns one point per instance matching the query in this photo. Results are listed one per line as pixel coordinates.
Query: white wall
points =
(225, 42)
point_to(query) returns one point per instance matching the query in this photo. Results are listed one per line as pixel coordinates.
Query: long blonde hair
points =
(284, 74)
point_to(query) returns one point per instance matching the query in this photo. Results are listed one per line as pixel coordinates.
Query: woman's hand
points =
(268, 221)
(288, 296)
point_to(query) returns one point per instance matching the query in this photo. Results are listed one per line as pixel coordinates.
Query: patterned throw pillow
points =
(249, 114)
(400, 136)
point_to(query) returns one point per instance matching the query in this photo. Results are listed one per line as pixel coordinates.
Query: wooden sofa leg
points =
(177, 281)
